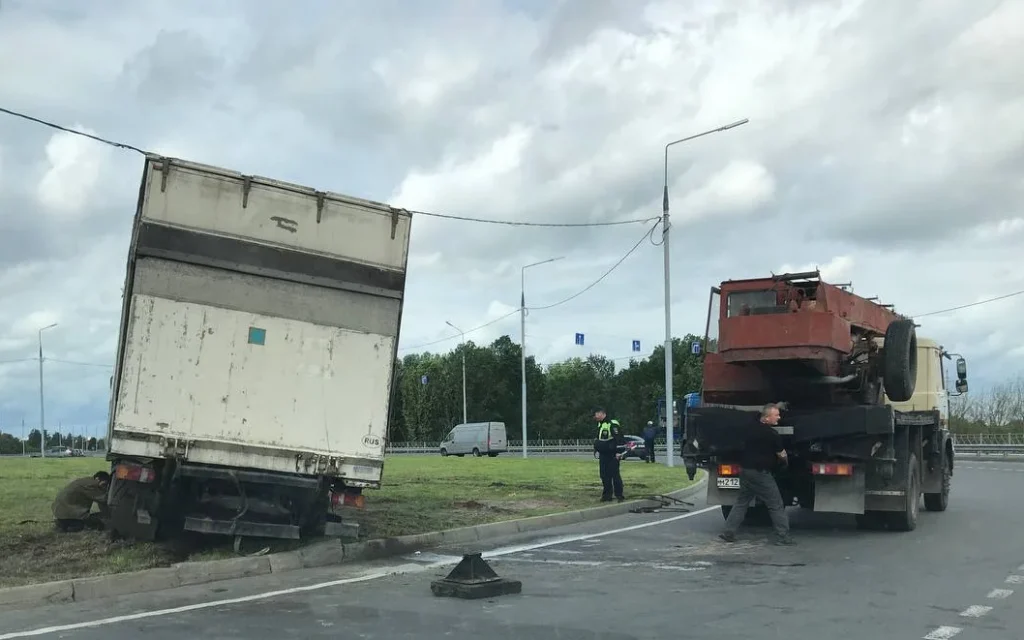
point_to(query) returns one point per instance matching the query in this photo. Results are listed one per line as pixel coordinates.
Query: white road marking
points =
(401, 569)
(1013, 579)
(1000, 594)
(975, 611)
(943, 633)
(689, 566)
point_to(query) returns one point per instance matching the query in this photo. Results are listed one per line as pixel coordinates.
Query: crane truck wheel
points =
(940, 501)
(906, 520)
(899, 360)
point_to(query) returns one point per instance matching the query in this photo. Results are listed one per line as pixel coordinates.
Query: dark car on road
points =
(635, 448)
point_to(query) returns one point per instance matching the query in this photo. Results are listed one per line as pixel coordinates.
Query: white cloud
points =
(73, 171)
(740, 188)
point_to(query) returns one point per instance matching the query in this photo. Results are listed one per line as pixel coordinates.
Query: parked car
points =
(477, 438)
(635, 448)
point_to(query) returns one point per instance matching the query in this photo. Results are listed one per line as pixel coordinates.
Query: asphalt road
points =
(664, 575)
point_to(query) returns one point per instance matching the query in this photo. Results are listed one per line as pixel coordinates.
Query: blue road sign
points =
(579, 339)
(423, 379)
(636, 345)
(695, 348)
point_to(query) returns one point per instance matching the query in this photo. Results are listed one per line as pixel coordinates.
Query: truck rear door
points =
(260, 324)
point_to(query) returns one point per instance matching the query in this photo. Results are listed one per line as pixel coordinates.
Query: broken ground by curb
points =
(321, 554)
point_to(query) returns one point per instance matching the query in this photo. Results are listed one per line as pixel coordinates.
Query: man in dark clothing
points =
(609, 445)
(762, 452)
(73, 505)
(649, 434)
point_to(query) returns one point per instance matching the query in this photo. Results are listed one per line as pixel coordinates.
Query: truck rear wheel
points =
(940, 501)
(906, 520)
(899, 361)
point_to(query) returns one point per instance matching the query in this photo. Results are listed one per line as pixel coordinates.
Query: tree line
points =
(999, 409)
(11, 444)
(560, 399)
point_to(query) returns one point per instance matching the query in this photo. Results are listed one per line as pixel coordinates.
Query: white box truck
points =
(256, 359)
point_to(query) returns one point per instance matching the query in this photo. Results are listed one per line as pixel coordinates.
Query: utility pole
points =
(42, 409)
(522, 334)
(24, 438)
(463, 334)
(670, 420)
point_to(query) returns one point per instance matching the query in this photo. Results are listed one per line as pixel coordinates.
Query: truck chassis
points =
(872, 461)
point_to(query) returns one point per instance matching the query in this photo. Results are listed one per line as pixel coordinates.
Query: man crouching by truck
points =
(762, 451)
(73, 505)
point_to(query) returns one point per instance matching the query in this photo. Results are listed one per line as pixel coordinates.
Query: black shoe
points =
(728, 536)
(606, 498)
(785, 542)
(621, 498)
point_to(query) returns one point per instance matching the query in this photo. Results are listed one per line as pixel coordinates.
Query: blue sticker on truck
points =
(257, 336)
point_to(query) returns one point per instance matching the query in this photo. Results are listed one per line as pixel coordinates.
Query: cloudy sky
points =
(885, 145)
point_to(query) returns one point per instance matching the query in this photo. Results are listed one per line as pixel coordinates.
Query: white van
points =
(478, 438)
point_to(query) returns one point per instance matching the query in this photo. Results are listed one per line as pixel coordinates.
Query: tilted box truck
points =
(256, 359)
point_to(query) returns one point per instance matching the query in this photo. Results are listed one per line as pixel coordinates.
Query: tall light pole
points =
(522, 334)
(463, 334)
(42, 410)
(665, 228)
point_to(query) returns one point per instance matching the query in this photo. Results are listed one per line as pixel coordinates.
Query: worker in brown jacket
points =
(72, 509)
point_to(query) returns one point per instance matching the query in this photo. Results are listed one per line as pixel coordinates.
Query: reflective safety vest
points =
(604, 430)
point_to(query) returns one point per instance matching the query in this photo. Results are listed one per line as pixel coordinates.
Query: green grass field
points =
(421, 493)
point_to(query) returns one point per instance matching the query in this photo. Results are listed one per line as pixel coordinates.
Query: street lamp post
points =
(522, 334)
(665, 228)
(465, 419)
(42, 410)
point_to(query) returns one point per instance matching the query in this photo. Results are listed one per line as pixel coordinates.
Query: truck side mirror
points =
(961, 386)
(961, 369)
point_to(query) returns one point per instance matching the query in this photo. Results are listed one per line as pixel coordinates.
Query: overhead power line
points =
(467, 332)
(647, 235)
(972, 304)
(60, 360)
(431, 214)
(53, 125)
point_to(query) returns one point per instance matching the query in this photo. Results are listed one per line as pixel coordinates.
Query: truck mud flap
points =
(242, 528)
(840, 494)
(341, 529)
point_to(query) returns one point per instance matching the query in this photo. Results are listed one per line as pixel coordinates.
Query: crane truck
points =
(864, 401)
(255, 364)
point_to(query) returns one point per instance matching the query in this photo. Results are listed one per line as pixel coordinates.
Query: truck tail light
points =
(728, 469)
(134, 472)
(347, 499)
(831, 469)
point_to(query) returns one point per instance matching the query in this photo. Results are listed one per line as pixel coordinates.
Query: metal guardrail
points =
(980, 444)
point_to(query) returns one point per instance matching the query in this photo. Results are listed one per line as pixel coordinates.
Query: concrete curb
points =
(326, 553)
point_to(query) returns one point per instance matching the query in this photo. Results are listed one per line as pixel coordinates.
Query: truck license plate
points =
(728, 483)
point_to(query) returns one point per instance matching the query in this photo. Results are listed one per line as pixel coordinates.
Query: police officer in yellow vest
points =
(609, 446)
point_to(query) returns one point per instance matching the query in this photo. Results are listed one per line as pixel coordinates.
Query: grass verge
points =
(421, 493)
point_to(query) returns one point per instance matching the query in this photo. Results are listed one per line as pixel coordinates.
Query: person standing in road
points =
(73, 505)
(763, 451)
(649, 434)
(609, 445)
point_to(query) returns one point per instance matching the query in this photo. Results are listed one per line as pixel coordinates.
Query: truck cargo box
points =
(260, 325)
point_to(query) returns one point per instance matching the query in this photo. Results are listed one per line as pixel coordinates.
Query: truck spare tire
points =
(899, 360)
